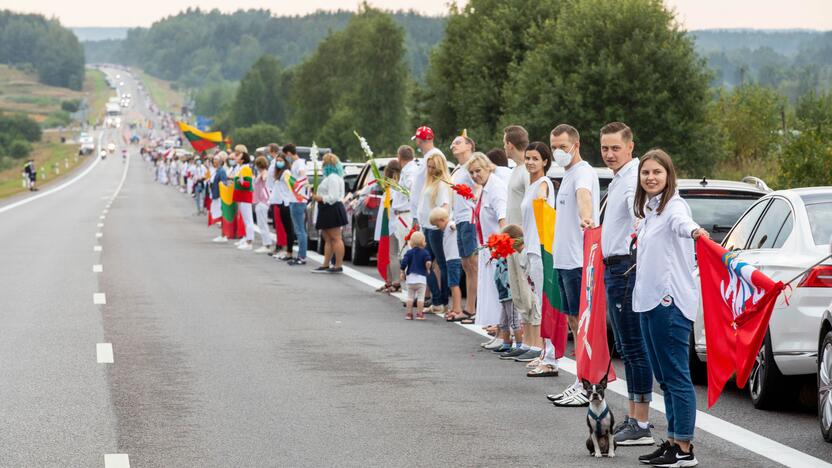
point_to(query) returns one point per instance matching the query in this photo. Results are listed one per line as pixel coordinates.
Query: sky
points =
(693, 14)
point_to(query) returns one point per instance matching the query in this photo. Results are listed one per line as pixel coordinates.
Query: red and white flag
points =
(737, 301)
(591, 348)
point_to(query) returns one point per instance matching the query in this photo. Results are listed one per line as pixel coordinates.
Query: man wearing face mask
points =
(577, 206)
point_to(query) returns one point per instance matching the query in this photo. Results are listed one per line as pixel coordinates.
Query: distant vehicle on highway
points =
(87, 144)
(782, 234)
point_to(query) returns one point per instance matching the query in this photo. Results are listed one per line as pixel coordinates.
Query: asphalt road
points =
(225, 358)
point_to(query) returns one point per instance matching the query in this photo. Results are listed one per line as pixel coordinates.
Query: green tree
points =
(749, 118)
(352, 83)
(261, 95)
(604, 61)
(20, 149)
(484, 43)
(257, 135)
(806, 159)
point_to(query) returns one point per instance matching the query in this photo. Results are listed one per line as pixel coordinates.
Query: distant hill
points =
(786, 42)
(99, 34)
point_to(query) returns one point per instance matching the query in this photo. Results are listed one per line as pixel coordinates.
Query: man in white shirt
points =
(577, 206)
(463, 147)
(399, 202)
(620, 279)
(298, 208)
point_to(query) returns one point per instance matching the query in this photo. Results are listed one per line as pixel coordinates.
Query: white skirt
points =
(488, 299)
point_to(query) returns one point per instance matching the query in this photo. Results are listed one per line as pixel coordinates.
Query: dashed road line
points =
(96, 248)
(100, 225)
(99, 299)
(116, 460)
(97, 268)
(99, 234)
(104, 353)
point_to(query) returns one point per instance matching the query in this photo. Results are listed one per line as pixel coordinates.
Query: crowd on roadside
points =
(439, 220)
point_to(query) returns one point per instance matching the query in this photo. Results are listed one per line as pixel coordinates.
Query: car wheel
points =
(825, 387)
(765, 378)
(360, 255)
(698, 369)
(319, 247)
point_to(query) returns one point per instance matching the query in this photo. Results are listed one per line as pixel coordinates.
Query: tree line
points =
(41, 45)
(17, 133)
(197, 47)
(535, 63)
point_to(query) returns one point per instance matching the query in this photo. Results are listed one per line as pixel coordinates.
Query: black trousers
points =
(286, 220)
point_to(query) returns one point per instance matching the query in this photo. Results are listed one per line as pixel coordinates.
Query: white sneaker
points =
(496, 344)
(263, 249)
(240, 241)
(483, 345)
(219, 239)
(244, 246)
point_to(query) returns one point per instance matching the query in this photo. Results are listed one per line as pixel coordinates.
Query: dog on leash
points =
(600, 420)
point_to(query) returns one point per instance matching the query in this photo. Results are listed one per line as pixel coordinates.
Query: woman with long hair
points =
(490, 218)
(280, 199)
(436, 193)
(244, 194)
(666, 297)
(332, 215)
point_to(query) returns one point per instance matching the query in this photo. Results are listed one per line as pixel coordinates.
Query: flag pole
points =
(808, 269)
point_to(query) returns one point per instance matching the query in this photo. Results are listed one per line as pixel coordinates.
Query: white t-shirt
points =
(400, 202)
(299, 173)
(493, 207)
(449, 245)
(568, 247)
(419, 177)
(518, 183)
(462, 209)
(426, 203)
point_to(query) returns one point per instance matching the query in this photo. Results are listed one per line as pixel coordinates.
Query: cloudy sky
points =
(694, 14)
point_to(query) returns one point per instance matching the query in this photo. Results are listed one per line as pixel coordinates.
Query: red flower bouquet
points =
(463, 191)
(501, 245)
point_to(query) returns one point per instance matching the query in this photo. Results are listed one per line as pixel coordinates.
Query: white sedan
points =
(782, 234)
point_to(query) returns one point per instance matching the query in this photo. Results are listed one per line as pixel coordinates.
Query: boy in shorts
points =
(440, 218)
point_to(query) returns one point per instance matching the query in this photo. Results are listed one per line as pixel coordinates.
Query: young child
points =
(416, 264)
(510, 322)
(440, 218)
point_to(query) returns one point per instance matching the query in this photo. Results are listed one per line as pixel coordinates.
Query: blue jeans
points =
(298, 212)
(200, 200)
(569, 283)
(438, 289)
(626, 327)
(666, 333)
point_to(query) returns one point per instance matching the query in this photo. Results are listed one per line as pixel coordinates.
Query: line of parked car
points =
(779, 232)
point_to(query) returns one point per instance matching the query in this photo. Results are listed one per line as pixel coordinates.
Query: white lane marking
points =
(96, 248)
(707, 422)
(54, 190)
(99, 234)
(101, 217)
(116, 460)
(104, 353)
(97, 268)
(99, 298)
(100, 225)
(104, 211)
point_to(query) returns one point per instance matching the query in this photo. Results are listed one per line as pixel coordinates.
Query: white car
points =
(782, 234)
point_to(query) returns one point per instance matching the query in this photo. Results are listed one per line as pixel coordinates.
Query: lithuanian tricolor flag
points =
(296, 185)
(229, 211)
(200, 140)
(383, 256)
(554, 324)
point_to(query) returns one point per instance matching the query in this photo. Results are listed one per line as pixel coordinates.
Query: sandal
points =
(394, 288)
(533, 363)
(420, 316)
(545, 370)
(384, 288)
(408, 316)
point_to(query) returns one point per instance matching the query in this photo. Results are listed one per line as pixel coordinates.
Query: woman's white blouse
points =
(426, 203)
(331, 189)
(665, 258)
(493, 208)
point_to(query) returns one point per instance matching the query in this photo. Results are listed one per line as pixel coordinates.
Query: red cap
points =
(423, 133)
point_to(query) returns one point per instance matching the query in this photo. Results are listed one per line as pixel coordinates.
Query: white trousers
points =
(262, 211)
(248, 219)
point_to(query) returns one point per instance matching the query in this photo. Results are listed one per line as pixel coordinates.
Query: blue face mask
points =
(280, 164)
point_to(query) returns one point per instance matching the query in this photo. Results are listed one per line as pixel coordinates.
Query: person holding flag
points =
(666, 298)
(619, 280)
(332, 215)
(218, 176)
(244, 194)
(388, 243)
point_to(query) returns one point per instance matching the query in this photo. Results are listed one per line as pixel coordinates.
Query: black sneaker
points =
(321, 269)
(335, 270)
(297, 261)
(655, 454)
(675, 458)
(513, 353)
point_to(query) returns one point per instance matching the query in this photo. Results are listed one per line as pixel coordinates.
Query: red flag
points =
(383, 254)
(591, 348)
(737, 301)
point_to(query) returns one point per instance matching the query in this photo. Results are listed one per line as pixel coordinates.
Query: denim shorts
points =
(569, 282)
(454, 272)
(466, 239)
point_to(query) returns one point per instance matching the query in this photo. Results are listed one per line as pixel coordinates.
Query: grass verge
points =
(161, 92)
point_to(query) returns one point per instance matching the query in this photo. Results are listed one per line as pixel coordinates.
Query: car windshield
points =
(820, 221)
(717, 211)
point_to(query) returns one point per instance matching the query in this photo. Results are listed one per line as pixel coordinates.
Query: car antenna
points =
(704, 182)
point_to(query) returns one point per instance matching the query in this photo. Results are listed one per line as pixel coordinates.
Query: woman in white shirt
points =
(436, 193)
(666, 296)
(279, 200)
(332, 215)
(490, 216)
